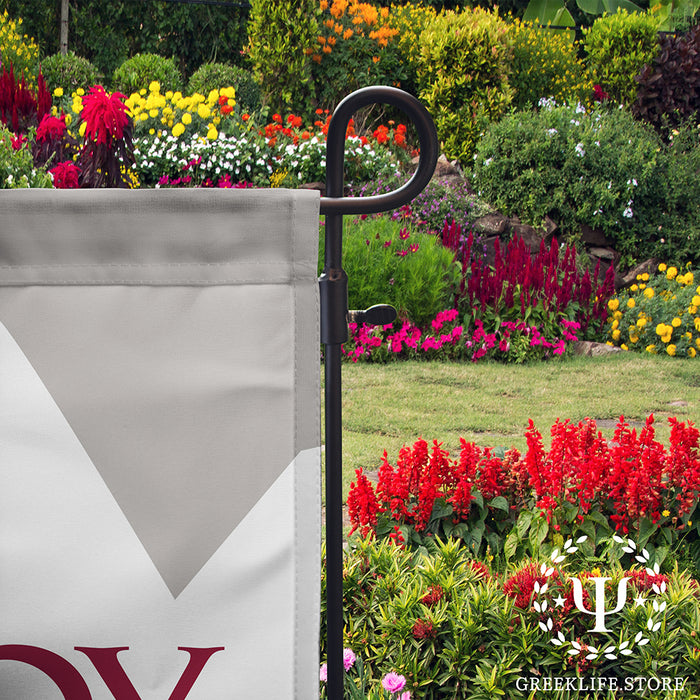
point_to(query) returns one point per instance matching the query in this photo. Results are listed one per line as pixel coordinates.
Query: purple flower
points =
(393, 682)
(348, 659)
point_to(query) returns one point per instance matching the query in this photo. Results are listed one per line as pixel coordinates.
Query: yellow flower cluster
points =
(18, 49)
(546, 64)
(154, 112)
(410, 20)
(658, 314)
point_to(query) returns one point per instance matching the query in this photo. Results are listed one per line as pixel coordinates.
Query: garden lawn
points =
(387, 406)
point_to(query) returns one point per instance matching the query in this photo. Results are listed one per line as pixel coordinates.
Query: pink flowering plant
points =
(357, 681)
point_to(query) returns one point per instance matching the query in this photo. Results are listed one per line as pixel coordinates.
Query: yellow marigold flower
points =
(671, 350)
(645, 277)
(665, 513)
(624, 347)
(80, 92)
(689, 279)
(617, 315)
(662, 267)
(642, 285)
(691, 352)
(676, 322)
(203, 111)
(213, 96)
(613, 304)
(661, 329)
(634, 338)
(651, 349)
(143, 116)
(630, 303)
(641, 322)
(323, 5)
(212, 134)
(615, 324)
(154, 86)
(671, 273)
(616, 335)
(178, 129)
(82, 128)
(609, 342)
(634, 288)
(347, 33)
(186, 118)
(695, 301)
(153, 113)
(649, 292)
(58, 92)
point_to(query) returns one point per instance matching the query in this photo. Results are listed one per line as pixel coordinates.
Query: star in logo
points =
(639, 601)
(559, 601)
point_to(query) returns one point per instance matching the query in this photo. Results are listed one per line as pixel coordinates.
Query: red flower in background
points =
(65, 176)
(105, 115)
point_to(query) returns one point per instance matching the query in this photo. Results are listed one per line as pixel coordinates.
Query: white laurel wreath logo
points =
(625, 648)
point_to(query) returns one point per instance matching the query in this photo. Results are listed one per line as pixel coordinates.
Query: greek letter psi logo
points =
(596, 605)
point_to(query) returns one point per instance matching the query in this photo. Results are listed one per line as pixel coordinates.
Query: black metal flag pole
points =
(333, 285)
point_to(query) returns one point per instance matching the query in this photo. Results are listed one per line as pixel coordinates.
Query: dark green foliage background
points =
(107, 33)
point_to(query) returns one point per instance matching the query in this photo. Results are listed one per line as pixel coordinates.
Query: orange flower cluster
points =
(353, 19)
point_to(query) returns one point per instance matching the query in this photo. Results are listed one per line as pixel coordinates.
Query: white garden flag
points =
(159, 445)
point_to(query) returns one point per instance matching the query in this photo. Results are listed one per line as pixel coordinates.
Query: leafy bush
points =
(455, 629)
(617, 48)
(546, 64)
(410, 20)
(138, 72)
(669, 87)
(389, 263)
(17, 169)
(281, 37)
(463, 71)
(356, 47)
(598, 169)
(213, 76)
(69, 72)
(677, 237)
(660, 314)
(18, 50)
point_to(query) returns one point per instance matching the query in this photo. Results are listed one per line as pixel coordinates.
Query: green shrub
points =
(388, 263)
(617, 48)
(138, 72)
(214, 76)
(599, 169)
(669, 87)
(546, 64)
(69, 72)
(18, 50)
(281, 37)
(410, 20)
(456, 631)
(17, 169)
(463, 68)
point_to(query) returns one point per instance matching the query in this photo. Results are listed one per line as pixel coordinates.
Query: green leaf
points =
(511, 545)
(500, 503)
(538, 533)
(543, 11)
(612, 6)
(523, 524)
(646, 529)
(591, 7)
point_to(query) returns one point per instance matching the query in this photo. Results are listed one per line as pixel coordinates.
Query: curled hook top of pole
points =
(334, 202)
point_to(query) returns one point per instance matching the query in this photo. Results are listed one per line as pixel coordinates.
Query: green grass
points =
(387, 406)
